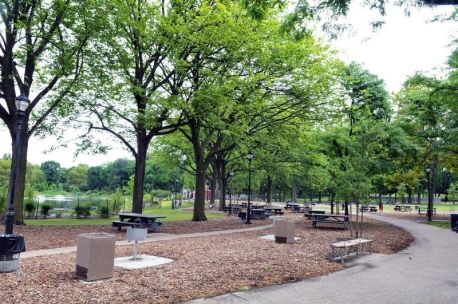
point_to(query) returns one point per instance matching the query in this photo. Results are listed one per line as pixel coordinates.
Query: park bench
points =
(345, 248)
(425, 210)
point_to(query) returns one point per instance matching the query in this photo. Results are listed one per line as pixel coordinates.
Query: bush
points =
(83, 211)
(30, 208)
(104, 211)
(45, 210)
(59, 213)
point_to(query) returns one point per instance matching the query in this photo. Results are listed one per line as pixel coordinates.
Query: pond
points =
(70, 201)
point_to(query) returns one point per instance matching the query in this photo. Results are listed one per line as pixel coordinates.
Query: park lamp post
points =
(231, 174)
(22, 103)
(430, 203)
(176, 194)
(248, 212)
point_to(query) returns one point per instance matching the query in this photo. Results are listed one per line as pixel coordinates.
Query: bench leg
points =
(119, 227)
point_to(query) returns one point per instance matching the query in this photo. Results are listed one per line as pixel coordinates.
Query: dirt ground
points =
(202, 267)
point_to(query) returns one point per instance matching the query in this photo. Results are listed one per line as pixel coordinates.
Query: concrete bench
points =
(345, 248)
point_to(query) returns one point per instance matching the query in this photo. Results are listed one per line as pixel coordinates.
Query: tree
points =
(96, 178)
(424, 117)
(52, 172)
(78, 177)
(41, 57)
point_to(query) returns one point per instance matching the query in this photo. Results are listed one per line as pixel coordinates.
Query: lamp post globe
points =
(249, 156)
(22, 103)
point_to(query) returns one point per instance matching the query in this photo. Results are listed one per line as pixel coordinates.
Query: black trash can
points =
(11, 245)
(454, 220)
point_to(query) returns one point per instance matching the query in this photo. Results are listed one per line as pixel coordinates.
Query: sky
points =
(401, 47)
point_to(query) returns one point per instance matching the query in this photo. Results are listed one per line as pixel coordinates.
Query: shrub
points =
(84, 210)
(29, 207)
(45, 210)
(104, 211)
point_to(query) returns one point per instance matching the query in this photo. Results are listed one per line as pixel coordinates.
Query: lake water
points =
(69, 202)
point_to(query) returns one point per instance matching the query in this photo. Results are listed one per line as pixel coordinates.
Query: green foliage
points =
(52, 171)
(45, 208)
(103, 211)
(83, 210)
(30, 208)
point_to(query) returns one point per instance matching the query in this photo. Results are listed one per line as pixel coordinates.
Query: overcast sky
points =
(401, 47)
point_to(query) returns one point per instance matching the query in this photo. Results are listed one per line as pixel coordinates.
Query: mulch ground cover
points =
(202, 267)
(46, 237)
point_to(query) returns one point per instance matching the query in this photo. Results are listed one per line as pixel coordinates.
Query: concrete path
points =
(153, 237)
(426, 272)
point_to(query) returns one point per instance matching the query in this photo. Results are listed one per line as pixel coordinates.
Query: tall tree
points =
(41, 56)
(425, 118)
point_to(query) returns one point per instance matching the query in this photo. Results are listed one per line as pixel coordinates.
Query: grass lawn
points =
(440, 224)
(171, 215)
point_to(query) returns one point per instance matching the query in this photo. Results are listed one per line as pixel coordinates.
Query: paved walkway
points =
(426, 272)
(153, 237)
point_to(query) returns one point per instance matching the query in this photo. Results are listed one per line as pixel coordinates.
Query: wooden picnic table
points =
(275, 210)
(340, 219)
(402, 208)
(138, 220)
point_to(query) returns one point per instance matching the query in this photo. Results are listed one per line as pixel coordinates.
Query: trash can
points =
(95, 256)
(11, 246)
(454, 220)
(284, 230)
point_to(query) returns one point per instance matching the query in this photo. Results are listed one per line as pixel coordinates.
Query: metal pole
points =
(248, 215)
(230, 201)
(429, 213)
(14, 166)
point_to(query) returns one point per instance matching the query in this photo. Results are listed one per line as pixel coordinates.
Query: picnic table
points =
(340, 219)
(275, 210)
(402, 208)
(291, 205)
(138, 220)
(425, 210)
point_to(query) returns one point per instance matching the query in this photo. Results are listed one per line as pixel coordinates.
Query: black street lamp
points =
(430, 199)
(176, 194)
(248, 212)
(231, 174)
(22, 103)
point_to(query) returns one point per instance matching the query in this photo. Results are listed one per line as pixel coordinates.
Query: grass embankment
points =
(170, 214)
(440, 224)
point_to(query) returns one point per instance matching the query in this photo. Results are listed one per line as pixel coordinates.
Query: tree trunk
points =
(269, 189)
(213, 180)
(222, 180)
(139, 177)
(19, 184)
(331, 199)
(409, 196)
(346, 207)
(432, 188)
(418, 197)
(319, 197)
(199, 198)
(293, 191)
